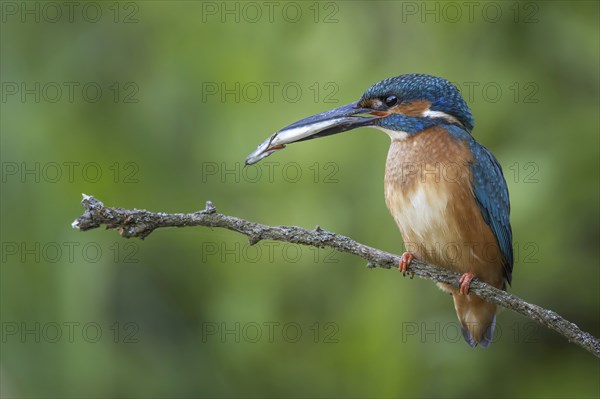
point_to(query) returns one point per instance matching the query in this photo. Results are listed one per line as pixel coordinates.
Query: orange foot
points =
(465, 282)
(405, 260)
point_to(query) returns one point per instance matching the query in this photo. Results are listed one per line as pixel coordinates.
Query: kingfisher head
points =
(400, 106)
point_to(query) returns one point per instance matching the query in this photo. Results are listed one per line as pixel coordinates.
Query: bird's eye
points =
(390, 101)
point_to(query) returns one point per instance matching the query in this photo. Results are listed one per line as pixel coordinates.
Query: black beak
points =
(334, 121)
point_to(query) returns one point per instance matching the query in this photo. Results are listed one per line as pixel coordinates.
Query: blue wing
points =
(491, 194)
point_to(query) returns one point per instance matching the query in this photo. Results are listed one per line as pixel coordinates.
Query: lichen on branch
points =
(140, 223)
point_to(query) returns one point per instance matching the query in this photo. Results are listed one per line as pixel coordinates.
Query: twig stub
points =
(140, 223)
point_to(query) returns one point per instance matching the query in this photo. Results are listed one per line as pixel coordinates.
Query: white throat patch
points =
(394, 135)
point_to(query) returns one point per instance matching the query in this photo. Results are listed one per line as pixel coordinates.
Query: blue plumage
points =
(442, 94)
(491, 193)
(407, 124)
(414, 106)
(430, 125)
(488, 183)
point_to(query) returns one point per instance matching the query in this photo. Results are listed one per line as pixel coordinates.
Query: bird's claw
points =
(465, 282)
(405, 260)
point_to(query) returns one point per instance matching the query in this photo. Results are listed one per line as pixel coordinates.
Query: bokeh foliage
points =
(178, 145)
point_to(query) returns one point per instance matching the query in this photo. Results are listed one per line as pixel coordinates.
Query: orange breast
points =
(428, 192)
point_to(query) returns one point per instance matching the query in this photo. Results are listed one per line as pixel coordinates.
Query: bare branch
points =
(140, 223)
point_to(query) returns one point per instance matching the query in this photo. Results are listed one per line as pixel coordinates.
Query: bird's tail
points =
(477, 319)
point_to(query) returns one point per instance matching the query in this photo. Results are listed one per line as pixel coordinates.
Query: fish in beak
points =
(338, 120)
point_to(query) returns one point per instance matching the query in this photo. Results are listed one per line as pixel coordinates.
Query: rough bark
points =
(140, 223)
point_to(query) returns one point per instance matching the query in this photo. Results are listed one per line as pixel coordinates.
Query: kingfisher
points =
(445, 191)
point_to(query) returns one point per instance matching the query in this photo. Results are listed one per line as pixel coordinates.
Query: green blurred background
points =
(155, 105)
